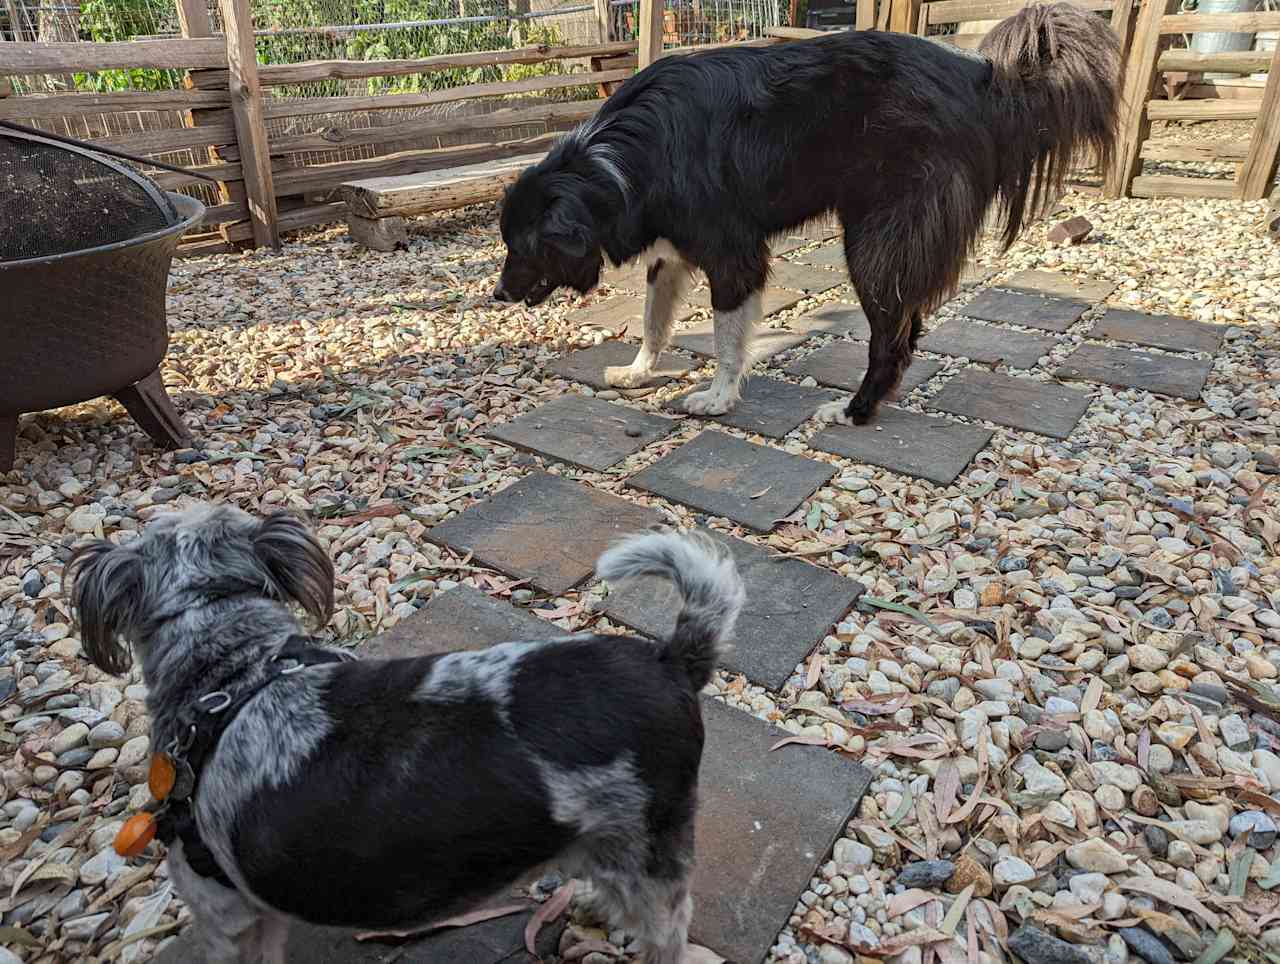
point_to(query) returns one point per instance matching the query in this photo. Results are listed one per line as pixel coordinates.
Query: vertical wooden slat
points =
(922, 21)
(1138, 81)
(866, 15)
(193, 20)
(651, 12)
(1259, 165)
(903, 15)
(1123, 16)
(604, 21)
(251, 128)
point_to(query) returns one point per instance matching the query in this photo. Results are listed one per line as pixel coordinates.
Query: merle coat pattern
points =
(697, 161)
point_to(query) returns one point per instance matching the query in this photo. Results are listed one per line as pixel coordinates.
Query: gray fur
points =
(469, 676)
(203, 600)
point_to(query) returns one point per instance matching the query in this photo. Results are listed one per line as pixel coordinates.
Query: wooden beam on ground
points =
(1133, 125)
(1167, 185)
(650, 13)
(1226, 62)
(1259, 168)
(250, 125)
(304, 217)
(61, 58)
(412, 194)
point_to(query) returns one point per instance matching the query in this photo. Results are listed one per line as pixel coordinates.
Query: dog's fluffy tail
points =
(707, 580)
(1054, 102)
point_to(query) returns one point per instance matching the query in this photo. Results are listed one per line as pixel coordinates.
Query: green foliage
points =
(117, 20)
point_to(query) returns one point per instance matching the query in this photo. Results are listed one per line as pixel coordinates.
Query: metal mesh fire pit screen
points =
(85, 248)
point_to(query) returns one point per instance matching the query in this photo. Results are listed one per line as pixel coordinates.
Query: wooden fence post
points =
(903, 15)
(250, 124)
(651, 13)
(604, 21)
(1139, 77)
(865, 18)
(1259, 165)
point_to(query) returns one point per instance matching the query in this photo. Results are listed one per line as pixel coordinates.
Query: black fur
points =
(909, 142)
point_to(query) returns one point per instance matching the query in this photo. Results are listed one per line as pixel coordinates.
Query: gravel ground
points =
(1061, 748)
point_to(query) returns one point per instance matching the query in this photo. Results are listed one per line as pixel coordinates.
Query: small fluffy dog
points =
(697, 161)
(381, 794)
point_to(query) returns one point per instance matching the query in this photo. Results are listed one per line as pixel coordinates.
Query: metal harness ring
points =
(222, 695)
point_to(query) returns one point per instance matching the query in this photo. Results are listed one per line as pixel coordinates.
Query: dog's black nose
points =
(501, 294)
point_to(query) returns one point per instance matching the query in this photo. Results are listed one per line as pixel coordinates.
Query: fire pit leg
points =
(153, 410)
(8, 441)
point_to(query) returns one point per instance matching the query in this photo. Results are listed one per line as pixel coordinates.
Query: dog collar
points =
(175, 772)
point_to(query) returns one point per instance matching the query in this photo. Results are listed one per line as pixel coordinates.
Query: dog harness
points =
(175, 772)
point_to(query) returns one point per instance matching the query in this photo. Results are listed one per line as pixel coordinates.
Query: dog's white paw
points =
(626, 376)
(833, 412)
(713, 401)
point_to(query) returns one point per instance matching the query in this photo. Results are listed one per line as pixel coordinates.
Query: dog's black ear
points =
(106, 595)
(297, 564)
(567, 227)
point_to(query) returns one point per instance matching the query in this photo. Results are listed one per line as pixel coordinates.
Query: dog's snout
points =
(500, 293)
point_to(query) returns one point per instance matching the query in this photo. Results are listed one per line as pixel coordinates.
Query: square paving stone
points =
(460, 618)
(1121, 368)
(804, 277)
(842, 365)
(1158, 331)
(791, 606)
(768, 406)
(1025, 308)
(825, 256)
(1059, 285)
(589, 432)
(1022, 403)
(936, 449)
(766, 821)
(721, 475)
(587, 366)
(834, 319)
(788, 243)
(544, 529)
(700, 339)
(991, 346)
(773, 301)
(621, 314)
(628, 277)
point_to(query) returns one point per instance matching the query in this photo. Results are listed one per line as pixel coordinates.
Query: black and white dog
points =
(697, 161)
(382, 794)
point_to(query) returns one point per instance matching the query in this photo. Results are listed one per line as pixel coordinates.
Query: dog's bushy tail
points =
(707, 580)
(1054, 102)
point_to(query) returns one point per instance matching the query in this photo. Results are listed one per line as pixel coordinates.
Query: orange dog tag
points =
(162, 776)
(137, 832)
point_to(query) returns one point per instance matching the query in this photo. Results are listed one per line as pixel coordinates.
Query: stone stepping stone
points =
(1158, 331)
(589, 432)
(773, 301)
(791, 606)
(923, 446)
(1025, 308)
(722, 475)
(1059, 285)
(805, 278)
(700, 339)
(842, 365)
(543, 528)
(975, 274)
(768, 406)
(1121, 368)
(459, 618)
(628, 277)
(622, 315)
(587, 366)
(826, 256)
(1045, 408)
(834, 319)
(766, 821)
(787, 244)
(991, 346)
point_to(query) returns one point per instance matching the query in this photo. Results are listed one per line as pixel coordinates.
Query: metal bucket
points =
(1208, 43)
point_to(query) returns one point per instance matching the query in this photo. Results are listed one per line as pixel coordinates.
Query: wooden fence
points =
(228, 122)
(1151, 57)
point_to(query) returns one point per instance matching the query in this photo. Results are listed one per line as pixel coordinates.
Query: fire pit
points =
(84, 264)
